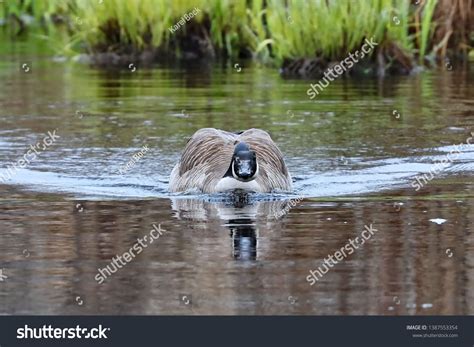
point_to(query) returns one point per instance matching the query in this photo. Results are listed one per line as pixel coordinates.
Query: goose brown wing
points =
(267, 151)
(272, 167)
(208, 152)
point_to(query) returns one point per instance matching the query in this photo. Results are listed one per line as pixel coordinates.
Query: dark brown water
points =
(354, 153)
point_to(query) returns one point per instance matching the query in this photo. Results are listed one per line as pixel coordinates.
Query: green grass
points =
(300, 29)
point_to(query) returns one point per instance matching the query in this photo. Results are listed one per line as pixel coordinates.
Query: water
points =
(354, 153)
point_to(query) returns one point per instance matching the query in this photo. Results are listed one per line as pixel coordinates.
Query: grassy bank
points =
(271, 31)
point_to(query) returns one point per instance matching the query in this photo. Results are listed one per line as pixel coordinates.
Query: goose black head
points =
(244, 165)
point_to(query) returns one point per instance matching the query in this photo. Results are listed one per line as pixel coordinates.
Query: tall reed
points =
(270, 29)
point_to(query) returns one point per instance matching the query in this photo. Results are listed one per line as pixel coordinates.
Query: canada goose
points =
(216, 161)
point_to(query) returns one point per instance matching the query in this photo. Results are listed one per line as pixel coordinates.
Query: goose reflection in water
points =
(243, 217)
(244, 239)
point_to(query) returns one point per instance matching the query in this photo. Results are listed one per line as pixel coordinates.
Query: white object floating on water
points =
(391, 308)
(438, 221)
(426, 305)
(457, 129)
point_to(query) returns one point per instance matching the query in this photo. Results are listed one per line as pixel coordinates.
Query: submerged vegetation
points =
(422, 32)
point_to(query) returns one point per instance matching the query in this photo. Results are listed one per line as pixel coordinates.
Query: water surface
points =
(354, 153)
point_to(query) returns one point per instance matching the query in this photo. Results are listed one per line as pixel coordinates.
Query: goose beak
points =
(244, 170)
